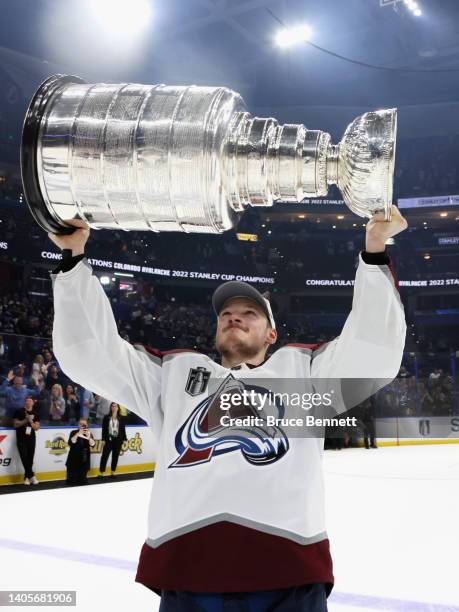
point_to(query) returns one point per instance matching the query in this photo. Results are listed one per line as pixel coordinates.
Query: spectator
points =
(3, 353)
(54, 378)
(406, 398)
(367, 417)
(88, 402)
(403, 373)
(113, 435)
(38, 365)
(48, 358)
(426, 400)
(435, 377)
(102, 407)
(27, 422)
(78, 460)
(16, 394)
(42, 402)
(19, 370)
(72, 405)
(57, 404)
(35, 378)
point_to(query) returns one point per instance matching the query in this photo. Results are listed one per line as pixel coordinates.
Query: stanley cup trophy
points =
(192, 159)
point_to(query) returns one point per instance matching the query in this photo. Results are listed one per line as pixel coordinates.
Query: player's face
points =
(242, 327)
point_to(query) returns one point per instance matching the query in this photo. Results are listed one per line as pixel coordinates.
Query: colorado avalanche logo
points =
(202, 437)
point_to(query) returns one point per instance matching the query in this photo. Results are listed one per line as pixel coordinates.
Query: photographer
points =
(26, 422)
(79, 458)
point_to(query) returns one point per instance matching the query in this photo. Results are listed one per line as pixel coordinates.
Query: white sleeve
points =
(92, 353)
(372, 340)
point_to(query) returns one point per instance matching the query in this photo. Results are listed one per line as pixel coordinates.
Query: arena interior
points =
(392, 508)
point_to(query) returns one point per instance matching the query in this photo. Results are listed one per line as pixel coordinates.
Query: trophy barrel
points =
(127, 156)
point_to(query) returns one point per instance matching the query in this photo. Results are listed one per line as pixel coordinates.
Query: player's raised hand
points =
(76, 241)
(378, 230)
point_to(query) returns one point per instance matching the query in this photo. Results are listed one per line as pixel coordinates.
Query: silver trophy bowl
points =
(162, 158)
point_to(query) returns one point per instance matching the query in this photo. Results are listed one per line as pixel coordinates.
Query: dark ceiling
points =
(230, 42)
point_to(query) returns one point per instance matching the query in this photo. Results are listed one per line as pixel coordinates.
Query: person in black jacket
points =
(367, 417)
(113, 435)
(79, 458)
(26, 422)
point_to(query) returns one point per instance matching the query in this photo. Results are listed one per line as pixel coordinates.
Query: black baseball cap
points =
(233, 289)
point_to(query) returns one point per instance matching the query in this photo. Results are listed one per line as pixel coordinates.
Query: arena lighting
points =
(104, 280)
(123, 274)
(292, 36)
(340, 217)
(427, 256)
(414, 7)
(443, 214)
(121, 17)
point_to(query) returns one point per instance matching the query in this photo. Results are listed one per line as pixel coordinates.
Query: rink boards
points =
(137, 453)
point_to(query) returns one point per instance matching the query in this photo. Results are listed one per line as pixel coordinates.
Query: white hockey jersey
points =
(213, 514)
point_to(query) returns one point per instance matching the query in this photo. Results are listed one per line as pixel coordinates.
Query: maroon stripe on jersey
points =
(226, 557)
(152, 351)
(157, 353)
(173, 351)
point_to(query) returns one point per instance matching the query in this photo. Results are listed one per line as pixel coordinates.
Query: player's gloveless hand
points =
(76, 241)
(378, 230)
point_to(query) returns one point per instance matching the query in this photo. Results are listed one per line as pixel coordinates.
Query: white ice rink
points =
(392, 517)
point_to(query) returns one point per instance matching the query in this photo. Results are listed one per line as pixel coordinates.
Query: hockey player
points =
(234, 524)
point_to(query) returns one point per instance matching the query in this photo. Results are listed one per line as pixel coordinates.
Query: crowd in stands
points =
(426, 166)
(434, 394)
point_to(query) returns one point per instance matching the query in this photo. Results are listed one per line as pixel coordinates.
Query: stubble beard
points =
(230, 349)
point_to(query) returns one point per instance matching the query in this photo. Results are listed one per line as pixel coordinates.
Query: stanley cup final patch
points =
(197, 382)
